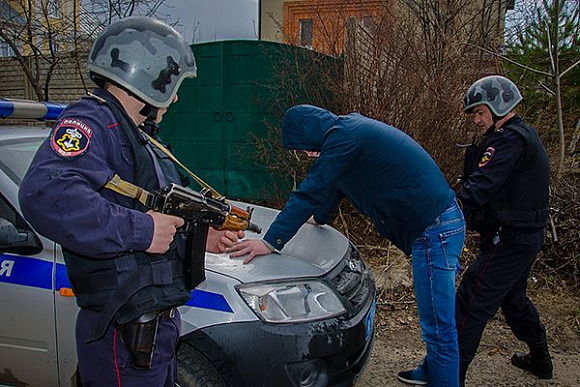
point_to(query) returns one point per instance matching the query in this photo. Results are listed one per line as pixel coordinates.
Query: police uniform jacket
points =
(103, 234)
(506, 179)
(383, 172)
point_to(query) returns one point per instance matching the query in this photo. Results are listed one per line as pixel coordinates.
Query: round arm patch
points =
(71, 138)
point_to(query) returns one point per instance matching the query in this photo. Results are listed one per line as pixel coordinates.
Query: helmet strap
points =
(150, 126)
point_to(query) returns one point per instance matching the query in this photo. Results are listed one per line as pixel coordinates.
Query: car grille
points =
(352, 281)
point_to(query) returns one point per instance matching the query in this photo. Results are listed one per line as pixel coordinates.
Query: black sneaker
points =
(409, 378)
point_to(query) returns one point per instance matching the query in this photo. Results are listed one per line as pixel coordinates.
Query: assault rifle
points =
(200, 211)
(201, 208)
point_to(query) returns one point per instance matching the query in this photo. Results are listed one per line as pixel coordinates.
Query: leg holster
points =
(139, 338)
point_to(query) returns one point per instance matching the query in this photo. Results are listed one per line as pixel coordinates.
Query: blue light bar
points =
(18, 108)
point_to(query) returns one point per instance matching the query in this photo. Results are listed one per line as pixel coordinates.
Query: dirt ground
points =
(399, 347)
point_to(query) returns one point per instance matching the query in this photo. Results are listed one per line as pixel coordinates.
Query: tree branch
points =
(512, 61)
(545, 87)
(569, 68)
(552, 62)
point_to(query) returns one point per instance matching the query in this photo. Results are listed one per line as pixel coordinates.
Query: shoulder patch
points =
(487, 156)
(71, 138)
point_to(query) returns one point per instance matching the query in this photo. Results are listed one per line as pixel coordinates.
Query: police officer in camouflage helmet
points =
(504, 193)
(125, 263)
(144, 56)
(498, 93)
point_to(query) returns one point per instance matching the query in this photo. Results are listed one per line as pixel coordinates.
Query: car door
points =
(66, 310)
(28, 355)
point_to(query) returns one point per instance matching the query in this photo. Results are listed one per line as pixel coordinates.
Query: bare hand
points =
(220, 241)
(164, 230)
(251, 247)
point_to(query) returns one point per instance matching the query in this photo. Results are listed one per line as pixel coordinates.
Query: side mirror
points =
(16, 241)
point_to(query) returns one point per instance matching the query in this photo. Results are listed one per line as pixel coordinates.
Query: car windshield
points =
(16, 156)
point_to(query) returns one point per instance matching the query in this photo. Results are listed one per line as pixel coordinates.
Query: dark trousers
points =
(106, 362)
(498, 278)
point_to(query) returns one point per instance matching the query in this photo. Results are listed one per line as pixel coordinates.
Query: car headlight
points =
(291, 302)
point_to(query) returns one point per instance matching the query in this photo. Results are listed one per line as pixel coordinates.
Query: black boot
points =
(538, 361)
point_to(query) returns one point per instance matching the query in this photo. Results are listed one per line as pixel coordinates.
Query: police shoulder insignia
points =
(487, 156)
(71, 137)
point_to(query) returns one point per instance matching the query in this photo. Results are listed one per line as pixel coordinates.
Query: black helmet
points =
(144, 56)
(498, 93)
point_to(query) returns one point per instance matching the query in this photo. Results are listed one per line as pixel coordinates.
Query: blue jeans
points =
(435, 261)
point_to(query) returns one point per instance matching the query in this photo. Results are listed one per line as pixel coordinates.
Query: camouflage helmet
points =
(498, 93)
(145, 57)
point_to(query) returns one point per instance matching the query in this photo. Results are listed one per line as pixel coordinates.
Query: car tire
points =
(195, 370)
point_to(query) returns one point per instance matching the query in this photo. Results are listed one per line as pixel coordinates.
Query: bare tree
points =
(109, 10)
(44, 33)
(408, 66)
(35, 32)
(412, 69)
(549, 30)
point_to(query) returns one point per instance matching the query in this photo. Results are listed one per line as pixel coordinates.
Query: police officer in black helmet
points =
(125, 263)
(504, 193)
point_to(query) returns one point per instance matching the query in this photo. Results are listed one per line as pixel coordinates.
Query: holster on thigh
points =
(139, 339)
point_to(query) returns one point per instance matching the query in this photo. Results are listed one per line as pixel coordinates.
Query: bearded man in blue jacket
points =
(389, 177)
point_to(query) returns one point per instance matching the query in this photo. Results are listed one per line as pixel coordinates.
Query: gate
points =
(211, 126)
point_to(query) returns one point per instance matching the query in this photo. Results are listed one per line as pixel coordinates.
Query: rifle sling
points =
(176, 161)
(125, 188)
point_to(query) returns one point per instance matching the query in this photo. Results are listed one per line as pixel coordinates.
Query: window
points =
(53, 8)
(7, 212)
(56, 46)
(306, 33)
(5, 50)
(368, 23)
(16, 155)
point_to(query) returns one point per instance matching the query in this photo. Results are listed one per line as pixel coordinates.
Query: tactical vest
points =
(132, 284)
(523, 200)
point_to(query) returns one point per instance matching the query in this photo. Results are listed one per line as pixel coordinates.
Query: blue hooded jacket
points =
(382, 171)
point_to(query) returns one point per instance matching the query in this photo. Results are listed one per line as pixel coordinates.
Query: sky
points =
(210, 20)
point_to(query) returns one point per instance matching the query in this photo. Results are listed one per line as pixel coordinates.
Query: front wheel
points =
(195, 370)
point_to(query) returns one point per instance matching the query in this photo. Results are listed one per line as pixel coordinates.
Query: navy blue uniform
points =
(102, 233)
(62, 194)
(505, 198)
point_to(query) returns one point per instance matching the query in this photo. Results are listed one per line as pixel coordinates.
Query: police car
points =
(301, 318)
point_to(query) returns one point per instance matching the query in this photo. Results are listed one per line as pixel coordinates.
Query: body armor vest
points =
(523, 200)
(132, 284)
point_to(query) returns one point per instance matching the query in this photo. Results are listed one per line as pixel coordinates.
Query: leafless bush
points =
(561, 254)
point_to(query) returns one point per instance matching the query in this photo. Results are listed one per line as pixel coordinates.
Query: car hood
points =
(313, 252)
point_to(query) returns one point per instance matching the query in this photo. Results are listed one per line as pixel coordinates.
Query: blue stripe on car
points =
(37, 273)
(208, 300)
(25, 271)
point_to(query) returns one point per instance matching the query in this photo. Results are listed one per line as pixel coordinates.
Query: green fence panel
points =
(211, 126)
